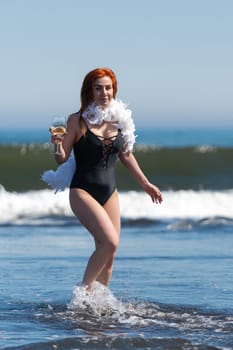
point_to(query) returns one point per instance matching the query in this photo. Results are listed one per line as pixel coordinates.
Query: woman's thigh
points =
(98, 220)
(112, 207)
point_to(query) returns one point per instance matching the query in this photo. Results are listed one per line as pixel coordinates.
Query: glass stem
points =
(57, 149)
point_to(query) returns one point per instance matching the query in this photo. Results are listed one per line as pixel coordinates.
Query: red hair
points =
(87, 86)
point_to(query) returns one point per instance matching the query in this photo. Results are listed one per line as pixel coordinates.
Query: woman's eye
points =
(99, 88)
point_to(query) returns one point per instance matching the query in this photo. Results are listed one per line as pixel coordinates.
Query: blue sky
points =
(172, 58)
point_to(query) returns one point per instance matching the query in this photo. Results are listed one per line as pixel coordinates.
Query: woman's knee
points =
(112, 245)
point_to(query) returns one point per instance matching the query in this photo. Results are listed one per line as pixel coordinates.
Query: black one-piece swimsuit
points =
(96, 158)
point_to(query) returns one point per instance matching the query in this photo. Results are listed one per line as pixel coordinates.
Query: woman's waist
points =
(97, 171)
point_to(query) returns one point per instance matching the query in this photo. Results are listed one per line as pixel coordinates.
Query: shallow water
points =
(171, 288)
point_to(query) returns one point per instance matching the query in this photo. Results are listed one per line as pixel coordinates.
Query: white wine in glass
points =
(58, 129)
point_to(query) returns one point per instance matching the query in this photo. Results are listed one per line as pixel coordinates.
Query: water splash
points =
(99, 302)
(101, 308)
(100, 319)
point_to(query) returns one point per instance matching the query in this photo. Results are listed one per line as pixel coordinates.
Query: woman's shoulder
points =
(74, 116)
(74, 119)
(75, 125)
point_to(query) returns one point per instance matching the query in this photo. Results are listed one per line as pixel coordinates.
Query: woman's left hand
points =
(154, 192)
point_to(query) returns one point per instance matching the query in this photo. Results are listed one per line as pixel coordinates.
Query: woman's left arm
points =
(130, 162)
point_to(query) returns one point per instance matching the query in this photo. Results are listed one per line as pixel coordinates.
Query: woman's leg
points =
(98, 222)
(112, 208)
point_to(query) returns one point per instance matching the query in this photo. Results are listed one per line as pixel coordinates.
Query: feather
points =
(60, 178)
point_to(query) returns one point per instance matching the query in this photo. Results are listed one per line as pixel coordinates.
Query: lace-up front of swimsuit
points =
(96, 158)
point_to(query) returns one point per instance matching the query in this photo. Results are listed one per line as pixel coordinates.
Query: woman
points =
(99, 133)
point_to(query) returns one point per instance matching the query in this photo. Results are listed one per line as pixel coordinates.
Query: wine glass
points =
(58, 130)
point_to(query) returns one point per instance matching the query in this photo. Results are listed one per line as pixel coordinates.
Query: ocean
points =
(171, 287)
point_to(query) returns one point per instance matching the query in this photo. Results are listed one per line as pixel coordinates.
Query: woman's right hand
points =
(56, 138)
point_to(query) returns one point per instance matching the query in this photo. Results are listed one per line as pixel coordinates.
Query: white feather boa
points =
(60, 178)
(116, 113)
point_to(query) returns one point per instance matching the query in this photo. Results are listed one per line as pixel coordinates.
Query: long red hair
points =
(87, 86)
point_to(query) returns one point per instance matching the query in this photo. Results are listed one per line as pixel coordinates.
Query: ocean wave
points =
(199, 167)
(179, 208)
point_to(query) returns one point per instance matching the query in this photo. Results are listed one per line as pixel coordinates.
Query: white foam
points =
(100, 307)
(22, 207)
(32, 206)
(100, 301)
(101, 304)
(178, 204)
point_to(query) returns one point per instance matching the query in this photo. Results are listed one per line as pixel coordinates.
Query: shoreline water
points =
(171, 289)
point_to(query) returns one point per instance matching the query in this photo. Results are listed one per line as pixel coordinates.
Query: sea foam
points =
(35, 206)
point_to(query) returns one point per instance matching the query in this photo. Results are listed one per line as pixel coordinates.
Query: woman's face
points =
(103, 91)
